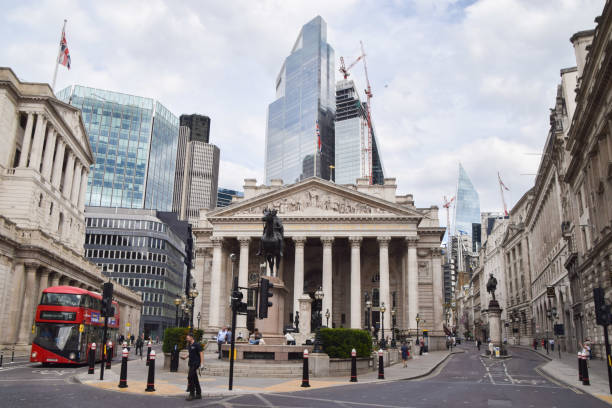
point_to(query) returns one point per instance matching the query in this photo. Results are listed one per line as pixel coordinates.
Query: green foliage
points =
(338, 343)
(178, 335)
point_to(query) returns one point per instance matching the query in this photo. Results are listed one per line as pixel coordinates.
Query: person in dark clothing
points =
(196, 356)
(139, 345)
(405, 353)
(478, 343)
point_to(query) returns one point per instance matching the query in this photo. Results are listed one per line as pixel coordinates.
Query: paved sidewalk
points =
(565, 369)
(174, 384)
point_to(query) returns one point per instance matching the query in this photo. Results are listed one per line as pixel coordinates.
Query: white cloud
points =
(452, 80)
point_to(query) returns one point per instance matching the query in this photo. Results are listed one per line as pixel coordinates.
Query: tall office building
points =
(134, 140)
(351, 130)
(467, 207)
(144, 250)
(305, 90)
(225, 196)
(196, 178)
(199, 126)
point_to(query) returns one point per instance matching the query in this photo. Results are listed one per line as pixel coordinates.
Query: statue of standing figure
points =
(492, 285)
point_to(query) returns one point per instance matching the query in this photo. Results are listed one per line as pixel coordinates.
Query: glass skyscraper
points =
(351, 132)
(467, 207)
(305, 92)
(134, 141)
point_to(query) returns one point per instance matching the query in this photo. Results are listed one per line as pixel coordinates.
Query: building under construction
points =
(352, 139)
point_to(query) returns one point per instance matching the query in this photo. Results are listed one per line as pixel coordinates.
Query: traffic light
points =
(107, 309)
(265, 292)
(602, 311)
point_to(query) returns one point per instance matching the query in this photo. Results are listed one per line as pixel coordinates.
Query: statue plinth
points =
(495, 327)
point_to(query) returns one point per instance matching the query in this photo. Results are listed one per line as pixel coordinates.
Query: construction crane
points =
(447, 204)
(345, 70)
(366, 153)
(503, 187)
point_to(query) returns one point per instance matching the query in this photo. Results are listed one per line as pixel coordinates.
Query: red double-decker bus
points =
(68, 320)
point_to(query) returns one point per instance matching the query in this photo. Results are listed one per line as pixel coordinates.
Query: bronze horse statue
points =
(271, 244)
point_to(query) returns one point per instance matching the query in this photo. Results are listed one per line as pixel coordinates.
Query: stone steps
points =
(261, 370)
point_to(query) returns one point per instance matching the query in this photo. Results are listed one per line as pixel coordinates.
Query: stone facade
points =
(43, 175)
(587, 215)
(347, 239)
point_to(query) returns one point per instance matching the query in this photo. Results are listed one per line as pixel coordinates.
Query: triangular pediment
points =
(315, 197)
(72, 119)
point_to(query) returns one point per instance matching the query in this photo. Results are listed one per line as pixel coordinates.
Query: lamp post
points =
(418, 319)
(368, 304)
(193, 293)
(319, 298)
(199, 317)
(383, 309)
(393, 343)
(177, 302)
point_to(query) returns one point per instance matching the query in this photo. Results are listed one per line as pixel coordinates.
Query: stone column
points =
(27, 141)
(16, 301)
(298, 272)
(37, 143)
(83, 189)
(413, 281)
(327, 277)
(49, 150)
(55, 279)
(44, 281)
(28, 301)
(355, 282)
(385, 295)
(68, 175)
(243, 279)
(215, 283)
(76, 183)
(56, 177)
(438, 298)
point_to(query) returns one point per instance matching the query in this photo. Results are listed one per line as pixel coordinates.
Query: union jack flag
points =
(64, 57)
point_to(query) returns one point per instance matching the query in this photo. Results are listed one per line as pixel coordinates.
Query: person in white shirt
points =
(221, 336)
(290, 339)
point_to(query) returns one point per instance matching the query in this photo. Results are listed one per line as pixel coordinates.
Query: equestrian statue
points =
(271, 245)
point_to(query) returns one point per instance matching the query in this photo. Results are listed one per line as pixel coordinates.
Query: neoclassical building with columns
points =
(347, 239)
(44, 164)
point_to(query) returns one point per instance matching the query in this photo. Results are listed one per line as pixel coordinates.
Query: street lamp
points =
(418, 319)
(193, 293)
(327, 318)
(177, 302)
(383, 309)
(319, 298)
(368, 304)
(393, 344)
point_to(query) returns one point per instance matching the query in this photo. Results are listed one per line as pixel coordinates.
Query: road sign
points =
(81, 328)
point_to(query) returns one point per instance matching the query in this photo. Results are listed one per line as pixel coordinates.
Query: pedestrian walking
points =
(535, 344)
(404, 353)
(552, 344)
(196, 356)
(139, 345)
(478, 343)
(491, 349)
(221, 337)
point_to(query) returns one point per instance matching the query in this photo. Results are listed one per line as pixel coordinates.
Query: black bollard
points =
(1, 358)
(381, 365)
(151, 377)
(13, 354)
(305, 381)
(123, 377)
(92, 358)
(354, 365)
(585, 370)
(148, 351)
(109, 354)
(579, 366)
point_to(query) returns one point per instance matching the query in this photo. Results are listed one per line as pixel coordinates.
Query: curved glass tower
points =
(305, 92)
(467, 208)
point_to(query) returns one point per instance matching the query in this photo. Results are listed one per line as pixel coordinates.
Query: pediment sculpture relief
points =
(314, 201)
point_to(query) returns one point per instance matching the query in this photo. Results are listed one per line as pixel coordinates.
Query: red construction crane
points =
(344, 70)
(503, 187)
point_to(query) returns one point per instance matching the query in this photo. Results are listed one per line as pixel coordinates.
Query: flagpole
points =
(59, 52)
(314, 170)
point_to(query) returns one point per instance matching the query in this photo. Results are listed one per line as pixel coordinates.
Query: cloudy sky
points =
(453, 81)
